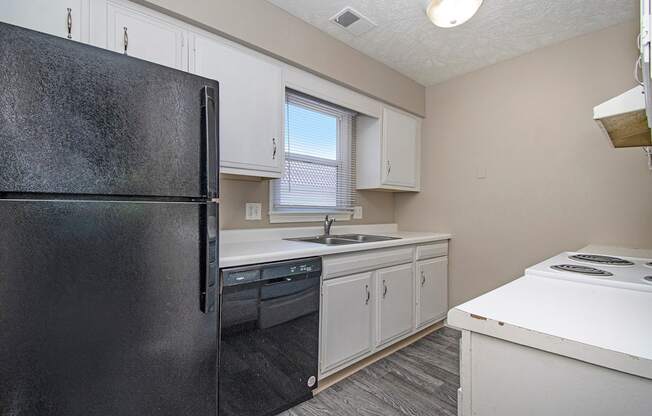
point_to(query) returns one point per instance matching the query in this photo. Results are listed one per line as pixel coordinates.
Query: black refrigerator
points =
(108, 233)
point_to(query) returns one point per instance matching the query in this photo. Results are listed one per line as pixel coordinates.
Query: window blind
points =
(319, 171)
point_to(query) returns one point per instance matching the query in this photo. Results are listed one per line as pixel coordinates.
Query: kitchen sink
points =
(333, 240)
(322, 239)
(363, 238)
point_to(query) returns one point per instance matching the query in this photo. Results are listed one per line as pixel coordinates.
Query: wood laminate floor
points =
(419, 380)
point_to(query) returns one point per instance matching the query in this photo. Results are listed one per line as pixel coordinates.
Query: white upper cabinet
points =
(394, 287)
(389, 151)
(401, 134)
(252, 102)
(144, 34)
(65, 18)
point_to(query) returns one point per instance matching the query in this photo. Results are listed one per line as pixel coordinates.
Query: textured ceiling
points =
(406, 40)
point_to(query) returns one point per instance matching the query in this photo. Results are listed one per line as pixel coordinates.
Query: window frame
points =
(344, 146)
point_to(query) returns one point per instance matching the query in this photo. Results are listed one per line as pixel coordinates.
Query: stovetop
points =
(616, 271)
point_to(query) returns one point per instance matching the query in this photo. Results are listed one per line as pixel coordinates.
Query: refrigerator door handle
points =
(209, 267)
(209, 128)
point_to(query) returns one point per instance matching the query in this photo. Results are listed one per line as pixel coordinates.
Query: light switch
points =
(357, 213)
(252, 211)
(481, 172)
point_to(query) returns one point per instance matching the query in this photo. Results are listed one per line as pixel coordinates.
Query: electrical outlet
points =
(357, 213)
(252, 211)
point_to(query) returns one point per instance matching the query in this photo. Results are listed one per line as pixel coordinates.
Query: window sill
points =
(285, 217)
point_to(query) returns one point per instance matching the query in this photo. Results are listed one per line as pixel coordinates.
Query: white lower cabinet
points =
(346, 334)
(432, 290)
(395, 302)
(390, 294)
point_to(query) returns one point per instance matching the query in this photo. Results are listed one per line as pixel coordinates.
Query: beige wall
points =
(270, 29)
(552, 183)
(377, 207)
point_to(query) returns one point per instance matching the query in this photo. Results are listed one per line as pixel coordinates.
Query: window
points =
(319, 172)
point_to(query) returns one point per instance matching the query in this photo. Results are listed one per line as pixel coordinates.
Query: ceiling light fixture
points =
(450, 13)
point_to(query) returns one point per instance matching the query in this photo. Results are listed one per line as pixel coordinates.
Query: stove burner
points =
(649, 264)
(648, 279)
(591, 271)
(604, 260)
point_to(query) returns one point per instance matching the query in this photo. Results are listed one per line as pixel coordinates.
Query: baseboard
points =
(354, 368)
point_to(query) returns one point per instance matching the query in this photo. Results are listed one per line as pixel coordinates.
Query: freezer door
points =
(102, 309)
(75, 119)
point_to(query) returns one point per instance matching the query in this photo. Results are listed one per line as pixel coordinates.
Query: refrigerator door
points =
(101, 308)
(75, 119)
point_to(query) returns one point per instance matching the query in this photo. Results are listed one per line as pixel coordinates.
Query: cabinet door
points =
(48, 16)
(252, 101)
(346, 319)
(395, 302)
(146, 36)
(401, 144)
(432, 289)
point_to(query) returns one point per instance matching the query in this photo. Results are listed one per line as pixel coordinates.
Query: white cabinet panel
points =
(346, 322)
(146, 36)
(395, 302)
(432, 290)
(428, 251)
(349, 263)
(388, 153)
(400, 135)
(252, 98)
(48, 16)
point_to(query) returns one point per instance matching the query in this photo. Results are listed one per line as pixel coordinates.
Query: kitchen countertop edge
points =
(255, 252)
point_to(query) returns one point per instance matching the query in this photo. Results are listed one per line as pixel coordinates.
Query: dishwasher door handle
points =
(279, 280)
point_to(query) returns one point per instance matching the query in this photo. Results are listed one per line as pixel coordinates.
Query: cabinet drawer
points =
(346, 264)
(429, 251)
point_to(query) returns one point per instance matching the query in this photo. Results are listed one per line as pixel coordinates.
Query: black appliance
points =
(269, 339)
(108, 233)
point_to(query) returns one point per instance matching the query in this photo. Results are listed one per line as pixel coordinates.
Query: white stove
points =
(616, 271)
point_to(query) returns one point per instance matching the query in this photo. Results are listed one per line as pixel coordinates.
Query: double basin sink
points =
(332, 240)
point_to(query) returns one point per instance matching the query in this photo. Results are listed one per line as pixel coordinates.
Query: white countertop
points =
(602, 325)
(243, 247)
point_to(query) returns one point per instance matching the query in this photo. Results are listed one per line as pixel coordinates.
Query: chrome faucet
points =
(328, 223)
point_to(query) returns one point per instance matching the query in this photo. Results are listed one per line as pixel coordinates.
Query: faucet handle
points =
(328, 222)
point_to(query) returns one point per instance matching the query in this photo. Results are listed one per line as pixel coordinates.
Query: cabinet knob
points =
(125, 39)
(367, 294)
(384, 289)
(69, 23)
(274, 148)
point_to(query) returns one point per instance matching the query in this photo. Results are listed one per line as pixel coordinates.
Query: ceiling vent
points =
(353, 21)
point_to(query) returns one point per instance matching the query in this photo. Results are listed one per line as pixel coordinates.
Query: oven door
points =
(269, 344)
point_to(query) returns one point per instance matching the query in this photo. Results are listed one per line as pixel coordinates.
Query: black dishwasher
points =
(269, 339)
